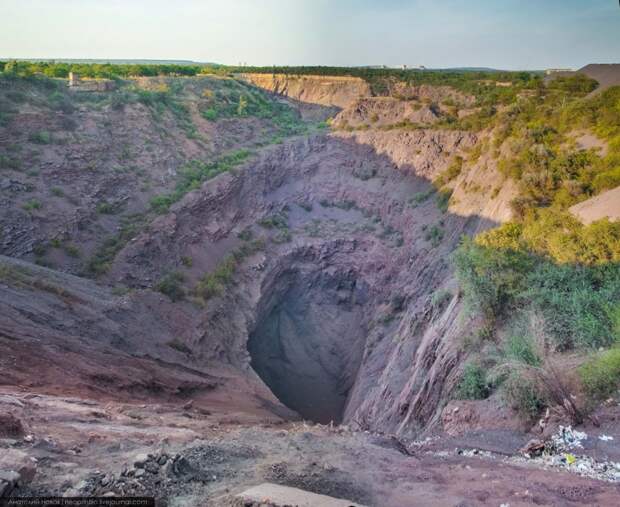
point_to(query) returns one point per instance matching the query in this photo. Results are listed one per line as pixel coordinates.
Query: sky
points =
(505, 34)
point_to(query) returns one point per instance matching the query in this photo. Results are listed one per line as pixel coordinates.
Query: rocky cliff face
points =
(318, 270)
(338, 91)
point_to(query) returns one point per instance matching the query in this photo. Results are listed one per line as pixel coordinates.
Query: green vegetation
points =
(102, 259)
(229, 98)
(172, 286)
(473, 384)
(434, 235)
(106, 208)
(440, 299)
(193, 174)
(275, 221)
(101, 70)
(421, 197)
(600, 375)
(453, 170)
(443, 199)
(32, 205)
(42, 137)
(212, 284)
(524, 395)
(72, 250)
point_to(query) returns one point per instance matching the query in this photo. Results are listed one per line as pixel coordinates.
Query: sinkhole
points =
(308, 341)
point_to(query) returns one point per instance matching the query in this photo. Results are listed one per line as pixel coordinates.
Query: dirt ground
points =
(185, 456)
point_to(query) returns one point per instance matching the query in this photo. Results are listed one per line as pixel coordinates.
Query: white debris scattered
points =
(470, 453)
(566, 438)
(426, 441)
(605, 438)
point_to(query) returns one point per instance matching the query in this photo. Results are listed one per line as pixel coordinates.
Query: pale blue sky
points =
(511, 34)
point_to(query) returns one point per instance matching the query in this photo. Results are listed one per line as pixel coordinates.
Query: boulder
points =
(16, 469)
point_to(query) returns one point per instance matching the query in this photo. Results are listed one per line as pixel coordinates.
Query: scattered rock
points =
(140, 460)
(16, 469)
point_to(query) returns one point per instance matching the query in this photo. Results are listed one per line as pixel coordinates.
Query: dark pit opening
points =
(308, 342)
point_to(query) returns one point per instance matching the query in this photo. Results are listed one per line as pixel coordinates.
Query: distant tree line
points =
(103, 70)
(110, 70)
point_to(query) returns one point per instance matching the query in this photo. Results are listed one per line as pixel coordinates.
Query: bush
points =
(524, 395)
(171, 286)
(212, 284)
(276, 221)
(434, 235)
(453, 170)
(72, 250)
(491, 279)
(420, 197)
(32, 204)
(473, 384)
(106, 208)
(42, 137)
(210, 114)
(600, 376)
(443, 199)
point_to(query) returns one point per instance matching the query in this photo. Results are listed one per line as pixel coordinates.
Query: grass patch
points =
(600, 375)
(32, 205)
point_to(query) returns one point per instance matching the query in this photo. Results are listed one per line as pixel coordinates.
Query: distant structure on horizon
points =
(89, 85)
(548, 72)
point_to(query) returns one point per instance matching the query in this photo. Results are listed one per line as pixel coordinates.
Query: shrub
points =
(420, 197)
(42, 137)
(71, 250)
(443, 199)
(434, 235)
(453, 170)
(600, 376)
(473, 384)
(101, 260)
(276, 221)
(212, 284)
(32, 204)
(523, 394)
(171, 286)
(490, 279)
(106, 208)
(210, 114)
